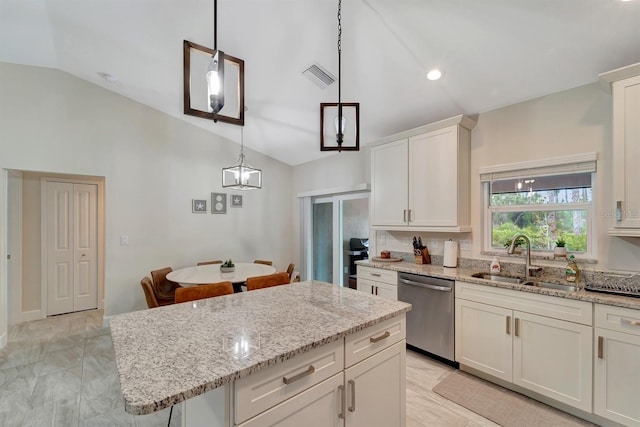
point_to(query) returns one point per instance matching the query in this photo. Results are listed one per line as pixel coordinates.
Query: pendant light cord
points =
(339, 136)
(215, 23)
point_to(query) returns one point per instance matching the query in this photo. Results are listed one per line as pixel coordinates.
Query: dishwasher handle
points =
(425, 285)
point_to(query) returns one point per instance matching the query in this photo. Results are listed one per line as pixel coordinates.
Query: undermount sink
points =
(499, 278)
(558, 286)
(526, 282)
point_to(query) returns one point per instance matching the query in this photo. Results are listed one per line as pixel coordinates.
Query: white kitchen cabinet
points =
(616, 364)
(378, 281)
(420, 178)
(483, 338)
(353, 382)
(538, 342)
(625, 87)
(375, 389)
(320, 406)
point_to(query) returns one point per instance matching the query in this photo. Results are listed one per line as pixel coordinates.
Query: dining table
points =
(210, 273)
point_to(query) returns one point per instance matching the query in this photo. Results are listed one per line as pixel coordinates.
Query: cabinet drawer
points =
(617, 319)
(378, 274)
(266, 388)
(543, 305)
(365, 343)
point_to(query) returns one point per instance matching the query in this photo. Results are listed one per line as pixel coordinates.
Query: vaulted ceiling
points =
(493, 53)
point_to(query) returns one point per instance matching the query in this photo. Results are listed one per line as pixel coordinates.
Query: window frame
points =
(569, 165)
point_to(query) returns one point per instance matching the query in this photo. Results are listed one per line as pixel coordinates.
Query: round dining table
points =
(210, 273)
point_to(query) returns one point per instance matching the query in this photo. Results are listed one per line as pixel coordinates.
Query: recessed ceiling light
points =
(108, 77)
(434, 74)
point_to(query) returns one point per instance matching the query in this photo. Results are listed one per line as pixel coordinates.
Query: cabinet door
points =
(375, 389)
(433, 178)
(319, 406)
(617, 376)
(387, 291)
(626, 150)
(554, 358)
(484, 338)
(389, 174)
(365, 285)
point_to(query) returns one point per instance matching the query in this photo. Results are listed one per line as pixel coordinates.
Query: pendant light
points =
(340, 121)
(241, 176)
(215, 72)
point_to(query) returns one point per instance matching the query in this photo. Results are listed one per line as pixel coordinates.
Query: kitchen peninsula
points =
(307, 350)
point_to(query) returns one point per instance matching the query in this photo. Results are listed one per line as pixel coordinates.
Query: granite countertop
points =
(464, 275)
(169, 354)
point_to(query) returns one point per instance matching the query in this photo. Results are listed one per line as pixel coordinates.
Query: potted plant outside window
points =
(560, 251)
(517, 246)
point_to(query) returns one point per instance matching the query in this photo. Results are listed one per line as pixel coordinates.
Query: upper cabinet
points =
(624, 84)
(420, 178)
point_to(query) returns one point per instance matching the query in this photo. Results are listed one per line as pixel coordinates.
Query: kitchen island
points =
(211, 354)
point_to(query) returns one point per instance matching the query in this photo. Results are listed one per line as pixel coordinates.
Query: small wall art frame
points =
(198, 206)
(236, 201)
(218, 203)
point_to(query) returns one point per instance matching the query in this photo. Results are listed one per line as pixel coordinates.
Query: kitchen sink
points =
(499, 278)
(548, 285)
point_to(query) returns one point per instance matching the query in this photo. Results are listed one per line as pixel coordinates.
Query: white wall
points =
(564, 123)
(153, 166)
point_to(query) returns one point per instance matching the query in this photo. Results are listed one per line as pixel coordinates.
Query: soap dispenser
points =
(495, 265)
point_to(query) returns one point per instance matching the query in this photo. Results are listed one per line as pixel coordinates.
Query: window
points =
(550, 201)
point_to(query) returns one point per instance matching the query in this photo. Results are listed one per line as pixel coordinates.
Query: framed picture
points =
(198, 206)
(236, 201)
(218, 203)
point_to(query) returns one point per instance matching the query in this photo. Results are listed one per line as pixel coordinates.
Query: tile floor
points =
(61, 371)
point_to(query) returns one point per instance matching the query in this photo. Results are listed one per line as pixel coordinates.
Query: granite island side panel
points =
(169, 354)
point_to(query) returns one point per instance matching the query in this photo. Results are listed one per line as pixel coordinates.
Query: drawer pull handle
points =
(376, 274)
(352, 407)
(296, 377)
(517, 328)
(404, 215)
(380, 338)
(508, 325)
(341, 413)
(600, 347)
(629, 322)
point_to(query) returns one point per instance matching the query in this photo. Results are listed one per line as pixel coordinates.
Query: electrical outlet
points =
(124, 240)
(346, 270)
(383, 239)
(465, 245)
(405, 241)
(434, 244)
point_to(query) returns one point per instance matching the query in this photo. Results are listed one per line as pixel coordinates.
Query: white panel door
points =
(85, 280)
(71, 247)
(59, 247)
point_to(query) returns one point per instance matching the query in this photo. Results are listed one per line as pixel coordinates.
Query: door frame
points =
(361, 191)
(43, 234)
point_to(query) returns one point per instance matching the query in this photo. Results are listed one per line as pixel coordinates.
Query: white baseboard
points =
(27, 316)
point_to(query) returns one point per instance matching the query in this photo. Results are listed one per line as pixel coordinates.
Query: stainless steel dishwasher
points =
(430, 323)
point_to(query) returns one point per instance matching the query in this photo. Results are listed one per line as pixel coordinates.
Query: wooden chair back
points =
(290, 269)
(263, 261)
(165, 289)
(259, 282)
(193, 293)
(218, 261)
(150, 294)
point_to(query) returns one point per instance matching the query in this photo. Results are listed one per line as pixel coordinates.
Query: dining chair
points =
(193, 293)
(290, 269)
(259, 282)
(150, 294)
(218, 261)
(165, 289)
(263, 261)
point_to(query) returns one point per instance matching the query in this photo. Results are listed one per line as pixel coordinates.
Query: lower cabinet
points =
(378, 281)
(617, 364)
(356, 382)
(511, 335)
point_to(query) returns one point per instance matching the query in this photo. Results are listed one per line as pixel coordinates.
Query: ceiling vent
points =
(319, 76)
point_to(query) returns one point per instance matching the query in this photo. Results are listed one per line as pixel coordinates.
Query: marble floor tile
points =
(61, 412)
(60, 360)
(58, 385)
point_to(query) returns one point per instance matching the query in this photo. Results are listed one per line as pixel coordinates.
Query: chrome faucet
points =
(527, 260)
